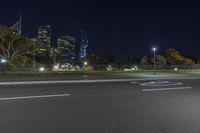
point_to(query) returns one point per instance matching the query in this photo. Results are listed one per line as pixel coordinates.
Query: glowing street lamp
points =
(85, 63)
(3, 61)
(42, 69)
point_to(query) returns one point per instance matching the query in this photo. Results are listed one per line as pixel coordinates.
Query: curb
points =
(87, 81)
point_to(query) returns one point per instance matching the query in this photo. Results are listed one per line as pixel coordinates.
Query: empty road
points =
(114, 107)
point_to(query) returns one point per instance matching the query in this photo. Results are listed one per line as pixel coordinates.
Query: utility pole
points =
(154, 60)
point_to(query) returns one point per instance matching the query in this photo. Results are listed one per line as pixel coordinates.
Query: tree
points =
(173, 56)
(144, 61)
(188, 61)
(12, 45)
(130, 60)
(23, 61)
(93, 59)
(198, 61)
(160, 60)
(106, 58)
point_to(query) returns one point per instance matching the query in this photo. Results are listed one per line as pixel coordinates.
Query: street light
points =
(41, 69)
(85, 63)
(154, 60)
(3, 61)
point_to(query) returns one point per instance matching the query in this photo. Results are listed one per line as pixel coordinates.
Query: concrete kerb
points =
(91, 81)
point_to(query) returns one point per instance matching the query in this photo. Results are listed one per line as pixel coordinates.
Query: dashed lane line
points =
(33, 97)
(165, 89)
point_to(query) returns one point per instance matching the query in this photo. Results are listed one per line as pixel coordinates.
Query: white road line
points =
(64, 81)
(164, 89)
(33, 97)
(161, 83)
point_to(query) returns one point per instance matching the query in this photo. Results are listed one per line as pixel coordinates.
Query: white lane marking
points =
(161, 83)
(64, 81)
(164, 89)
(33, 97)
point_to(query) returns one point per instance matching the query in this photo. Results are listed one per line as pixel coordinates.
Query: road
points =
(87, 76)
(115, 107)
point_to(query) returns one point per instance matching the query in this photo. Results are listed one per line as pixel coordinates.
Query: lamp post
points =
(154, 60)
(34, 40)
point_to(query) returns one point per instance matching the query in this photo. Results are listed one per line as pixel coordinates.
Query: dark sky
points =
(122, 28)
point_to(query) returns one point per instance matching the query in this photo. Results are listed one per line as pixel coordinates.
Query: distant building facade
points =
(44, 37)
(66, 47)
(53, 54)
(83, 47)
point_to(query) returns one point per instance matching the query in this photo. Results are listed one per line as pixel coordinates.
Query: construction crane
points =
(84, 46)
(17, 27)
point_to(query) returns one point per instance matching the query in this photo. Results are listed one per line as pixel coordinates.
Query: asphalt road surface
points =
(116, 107)
(87, 76)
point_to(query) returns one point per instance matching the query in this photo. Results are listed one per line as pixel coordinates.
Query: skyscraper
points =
(66, 47)
(83, 47)
(44, 36)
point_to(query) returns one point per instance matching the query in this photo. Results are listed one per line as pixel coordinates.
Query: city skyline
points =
(128, 29)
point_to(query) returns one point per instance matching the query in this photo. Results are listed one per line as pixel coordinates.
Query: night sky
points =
(122, 28)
